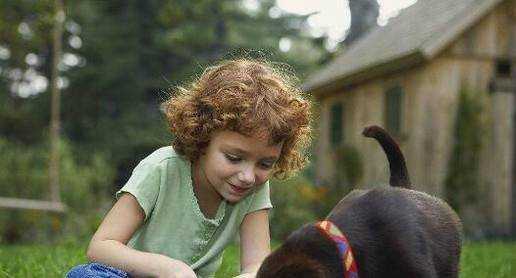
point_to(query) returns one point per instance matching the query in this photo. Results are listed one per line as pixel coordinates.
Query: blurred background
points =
(81, 84)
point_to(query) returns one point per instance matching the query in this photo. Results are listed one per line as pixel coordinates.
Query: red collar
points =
(332, 232)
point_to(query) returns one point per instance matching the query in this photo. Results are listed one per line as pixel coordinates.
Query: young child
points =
(239, 124)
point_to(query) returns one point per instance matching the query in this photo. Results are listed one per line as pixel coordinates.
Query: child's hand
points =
(176, 269)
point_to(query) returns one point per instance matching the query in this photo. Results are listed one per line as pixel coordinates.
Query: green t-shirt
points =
(174, 224)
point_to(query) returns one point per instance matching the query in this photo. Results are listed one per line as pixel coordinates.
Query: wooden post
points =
(55, 120)
(29, 204)
(512, 53)
(512, 65)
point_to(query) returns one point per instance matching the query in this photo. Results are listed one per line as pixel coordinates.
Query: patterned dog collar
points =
(333, 233)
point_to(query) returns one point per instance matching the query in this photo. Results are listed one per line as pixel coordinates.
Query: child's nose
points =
(247, 175)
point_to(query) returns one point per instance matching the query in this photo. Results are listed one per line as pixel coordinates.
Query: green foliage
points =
(24, 175)
(18, 122)
(349, 166)
(21, 166)
(349, 169)
(230, 266)
(463, 182)
(297, 201)
(293, 200)
(37, 16)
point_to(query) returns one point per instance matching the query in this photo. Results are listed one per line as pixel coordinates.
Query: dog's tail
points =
(399, 173)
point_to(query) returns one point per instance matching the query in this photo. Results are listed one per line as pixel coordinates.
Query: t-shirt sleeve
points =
(261, 199)
(144, 185)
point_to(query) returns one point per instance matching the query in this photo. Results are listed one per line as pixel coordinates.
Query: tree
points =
(25, 45)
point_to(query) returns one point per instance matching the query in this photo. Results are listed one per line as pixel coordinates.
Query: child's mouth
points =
(237, 189)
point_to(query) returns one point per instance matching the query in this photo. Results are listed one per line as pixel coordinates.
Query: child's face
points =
(234, 164)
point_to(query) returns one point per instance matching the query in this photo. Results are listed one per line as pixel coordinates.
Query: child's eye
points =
(266, 165)
(232, 158)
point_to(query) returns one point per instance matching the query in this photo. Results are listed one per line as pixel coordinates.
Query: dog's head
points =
(295, 265)
(305, 253)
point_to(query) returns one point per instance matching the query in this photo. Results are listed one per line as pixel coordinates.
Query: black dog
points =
(393, 232)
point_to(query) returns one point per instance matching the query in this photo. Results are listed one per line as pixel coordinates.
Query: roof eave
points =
(392, 65)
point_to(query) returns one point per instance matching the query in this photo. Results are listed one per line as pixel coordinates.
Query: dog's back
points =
(393, 231)
(396, 231)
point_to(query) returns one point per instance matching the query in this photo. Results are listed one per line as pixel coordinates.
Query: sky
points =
(333, 17)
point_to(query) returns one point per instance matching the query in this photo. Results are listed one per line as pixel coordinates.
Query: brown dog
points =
(393, 232)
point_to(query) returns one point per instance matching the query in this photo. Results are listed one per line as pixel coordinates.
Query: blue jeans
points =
(96, 270)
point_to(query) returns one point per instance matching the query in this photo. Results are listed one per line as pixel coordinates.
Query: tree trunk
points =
(55, 120)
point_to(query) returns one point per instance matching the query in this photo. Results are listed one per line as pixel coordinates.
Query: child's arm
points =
(254, 241)
(108, 245)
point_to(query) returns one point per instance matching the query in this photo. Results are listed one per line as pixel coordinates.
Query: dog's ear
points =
(301, 270)
(292, 266)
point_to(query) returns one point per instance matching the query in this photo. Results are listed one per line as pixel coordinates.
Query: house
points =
(408, 76)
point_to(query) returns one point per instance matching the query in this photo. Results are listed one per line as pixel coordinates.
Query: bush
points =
(463, 183)
(349, 170)
(23, 172)
(294, 201)
(298, 201)
(349, 166)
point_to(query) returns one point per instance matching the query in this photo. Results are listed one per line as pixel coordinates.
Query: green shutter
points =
(336, 132)
(393, 109)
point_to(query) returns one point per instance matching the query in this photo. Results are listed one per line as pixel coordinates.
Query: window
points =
(501, 81)
(336, 125)
(503, 68)
(393, 109)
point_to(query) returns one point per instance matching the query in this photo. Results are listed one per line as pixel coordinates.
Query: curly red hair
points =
(254, 98)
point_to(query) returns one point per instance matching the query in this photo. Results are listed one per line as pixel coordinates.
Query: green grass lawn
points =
(485, 259)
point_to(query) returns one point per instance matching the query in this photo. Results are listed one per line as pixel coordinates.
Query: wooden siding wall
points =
(493, 38)
(429, 110)
(427, 107)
